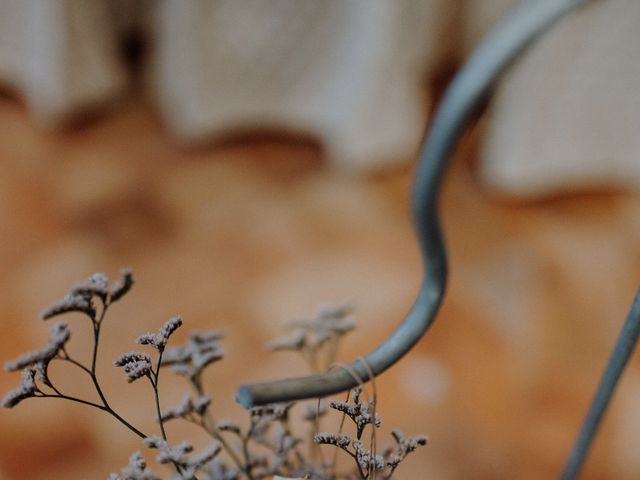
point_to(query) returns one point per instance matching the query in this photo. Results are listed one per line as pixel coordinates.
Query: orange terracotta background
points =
(256, 231)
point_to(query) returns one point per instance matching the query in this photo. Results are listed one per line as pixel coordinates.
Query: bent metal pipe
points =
(467, 90)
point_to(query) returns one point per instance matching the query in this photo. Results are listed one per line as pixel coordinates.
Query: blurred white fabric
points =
(349, 73)
(567, 117)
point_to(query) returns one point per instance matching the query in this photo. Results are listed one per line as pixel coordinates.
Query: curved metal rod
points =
(466, 91)
(627, 340)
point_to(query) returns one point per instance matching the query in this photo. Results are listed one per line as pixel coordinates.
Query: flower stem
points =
(154, 383)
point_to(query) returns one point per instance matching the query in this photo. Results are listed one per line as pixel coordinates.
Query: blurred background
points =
(253, 160)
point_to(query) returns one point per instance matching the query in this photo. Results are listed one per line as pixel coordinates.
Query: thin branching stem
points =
(154, 382)
(208, 424)
(73, 399)
(67, 358)
(97, 323)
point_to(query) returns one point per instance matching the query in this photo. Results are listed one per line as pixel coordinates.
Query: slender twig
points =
(155, 376)
(208, 424)
(73, 399)
(334, 460)
(67, 358)
(94, 378)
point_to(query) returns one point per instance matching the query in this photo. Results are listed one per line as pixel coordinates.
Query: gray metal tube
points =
(467, 90)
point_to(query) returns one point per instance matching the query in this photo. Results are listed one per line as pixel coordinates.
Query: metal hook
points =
(467, 90)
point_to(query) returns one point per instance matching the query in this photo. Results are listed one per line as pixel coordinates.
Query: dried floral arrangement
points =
(268, 448)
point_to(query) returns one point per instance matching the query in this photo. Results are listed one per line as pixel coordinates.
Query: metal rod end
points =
(244, 396)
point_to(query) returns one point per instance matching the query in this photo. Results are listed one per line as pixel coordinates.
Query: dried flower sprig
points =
(121, 287)
(159, 340)
(178, 455)
(28, 388)
(190, 360)
(317, 338)
(59, 336)
(368, 463)
(135, 470)
(83, 297)
(135, 365)
(405, 445)
(362, 413)
(266, 449)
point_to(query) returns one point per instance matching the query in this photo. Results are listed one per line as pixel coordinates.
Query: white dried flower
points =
(189, 360)
(159, 340)
(296, 342)
(405, 445)
(97, 284)
(225, 425)
(341, 440)
(177, 454)
(27, 389)
(201, 404)
(135, 365)
(208, 454)
(70, 303)
(181, 410)
(59, 336)
(135, 470)
(365, 459)
(121, 286)
(153, 441)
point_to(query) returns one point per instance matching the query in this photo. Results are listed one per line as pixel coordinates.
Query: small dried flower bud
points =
(408, 444)
(96, 284)
(366, 416)
(182, 370)
(176, 355)
(344, 407)
(147, 339)
(27, 389)
(357, 393)
(206, 337)
(41, 373)
(177, 454)
(378, 462)
(274, 411)
(228, 426)
(208, 454)
(137, 461)
(135, 365)
(70, 303)
(137, 370)
(296, 342)
(201, 404)
(129, 357)
(159, 340)
(341, 440)
(135, 470)
(169, 327)
(120, 287)
(179, 411)
(155, 442)
(202, 360)
(59, 336)
(189, 360)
